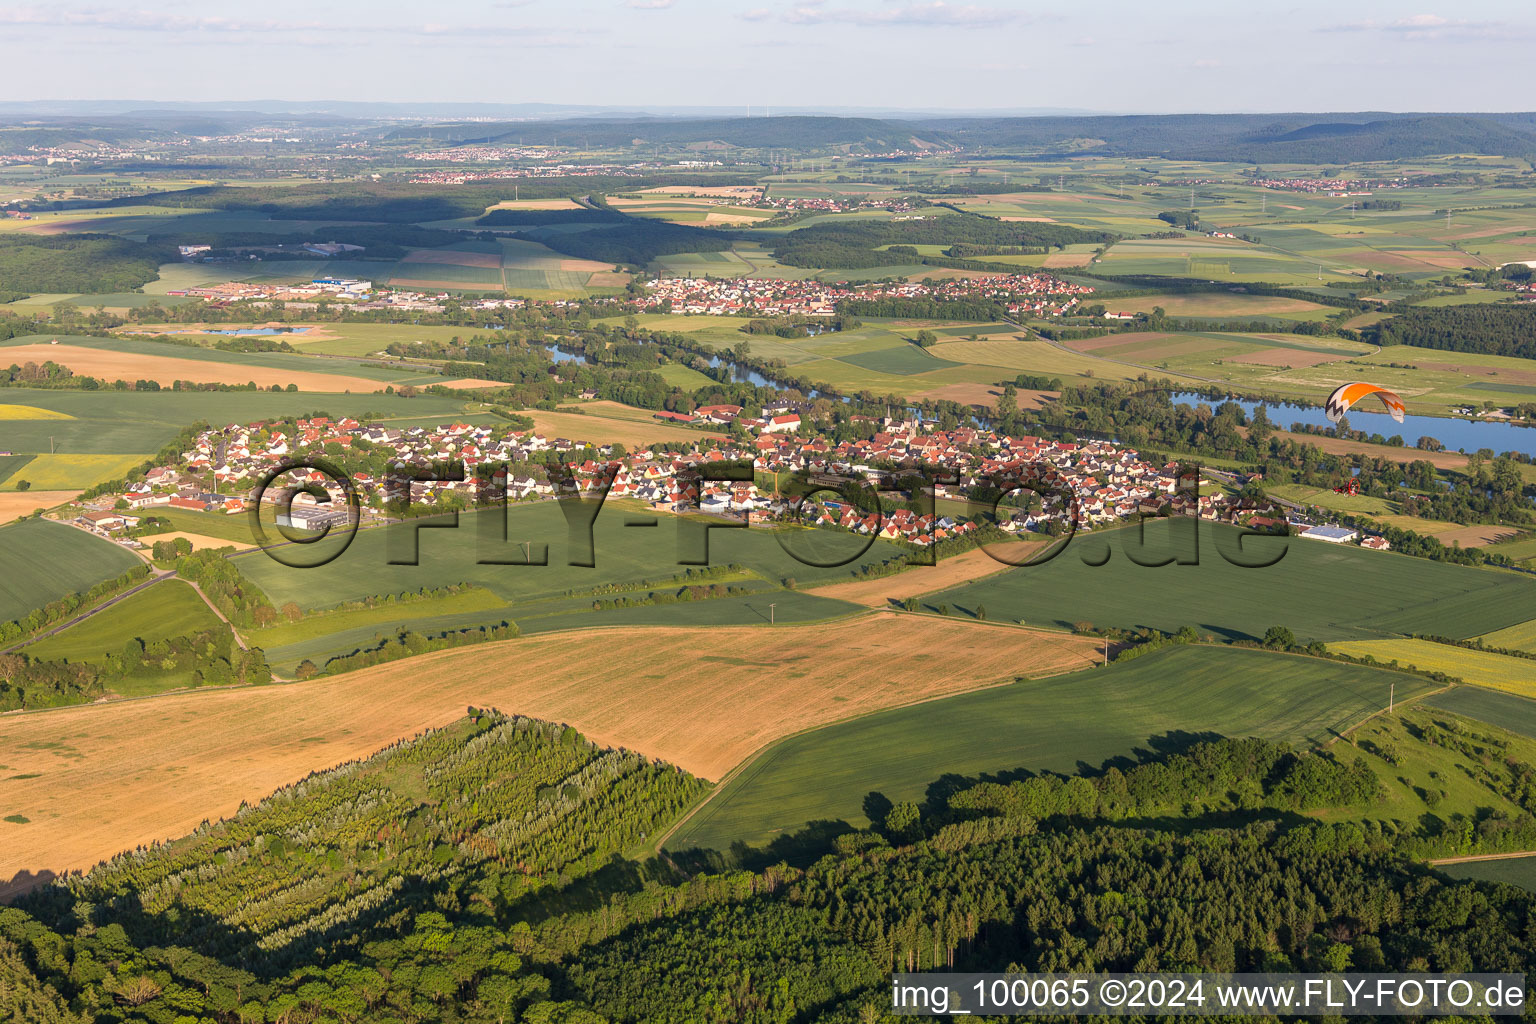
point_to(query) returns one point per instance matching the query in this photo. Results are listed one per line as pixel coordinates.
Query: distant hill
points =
(1274, 138)
(743, 132)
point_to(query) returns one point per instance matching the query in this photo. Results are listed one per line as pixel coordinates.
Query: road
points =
(158, 575)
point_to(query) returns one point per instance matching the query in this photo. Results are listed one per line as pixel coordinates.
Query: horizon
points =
(847, 49)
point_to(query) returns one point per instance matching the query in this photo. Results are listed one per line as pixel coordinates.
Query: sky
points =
(1110, 56)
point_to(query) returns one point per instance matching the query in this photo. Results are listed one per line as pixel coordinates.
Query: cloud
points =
(649, 5)
(126, 20)
(938, 13)
(1428, 26)
(756, 14)
(1207, 62)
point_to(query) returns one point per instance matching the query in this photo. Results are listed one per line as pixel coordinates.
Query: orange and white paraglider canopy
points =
(1346, 396)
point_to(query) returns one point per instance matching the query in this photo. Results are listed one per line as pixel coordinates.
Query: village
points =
(1037, 294)
(1023, 294)
(1066, 486)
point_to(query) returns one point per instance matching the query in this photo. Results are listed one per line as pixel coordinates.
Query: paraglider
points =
(1346, 396)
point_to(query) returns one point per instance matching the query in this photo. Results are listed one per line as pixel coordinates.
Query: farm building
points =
(1331, 534)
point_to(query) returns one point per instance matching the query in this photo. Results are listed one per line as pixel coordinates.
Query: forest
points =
(479, 874)
(854, 244)
(79, 263)
(1485, 328)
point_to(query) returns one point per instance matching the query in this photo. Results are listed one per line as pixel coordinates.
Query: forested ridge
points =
(78, 263)
(476, 874)
(1486, 328)
(854, 244)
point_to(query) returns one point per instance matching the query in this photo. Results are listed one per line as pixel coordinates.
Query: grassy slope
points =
(1062, 724)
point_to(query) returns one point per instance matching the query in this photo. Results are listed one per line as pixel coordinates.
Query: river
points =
(1455, 434)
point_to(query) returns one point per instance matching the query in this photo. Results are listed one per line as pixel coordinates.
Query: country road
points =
(159, 574)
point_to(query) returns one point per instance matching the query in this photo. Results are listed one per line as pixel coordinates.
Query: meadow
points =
(1321, 591)
(41, 561)
(1157, 702)
(98, 779)
(169, 608)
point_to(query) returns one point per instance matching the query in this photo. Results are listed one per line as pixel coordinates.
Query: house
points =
(779, 424)
(1376, 544)
(109, 520)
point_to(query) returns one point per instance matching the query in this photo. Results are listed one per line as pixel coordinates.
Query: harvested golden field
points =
(986, 395)
(734, 217)
(922, 579)
(1476, 536)
(199, 541)
(535, 204)
(15, 504)
(608, 279)
(609, 429)
(130, 366)
(101, 778)
(1222, 304)
(585, 266)
(1340, 446)
(1068, 259)
(465, 383)
(714, 191)
(297, 332)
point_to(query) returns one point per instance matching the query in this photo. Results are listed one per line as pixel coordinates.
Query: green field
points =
(11, 464)
(330, 623)
(129, 422)
(169, 608)
(1516, 871)
(41, 561)
(234, 528)
(1321, 591)
(1064, 724)
(622, 553)
(1505, 710)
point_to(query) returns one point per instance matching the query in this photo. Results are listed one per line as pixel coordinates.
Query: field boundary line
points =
(756, 756)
